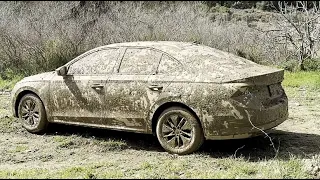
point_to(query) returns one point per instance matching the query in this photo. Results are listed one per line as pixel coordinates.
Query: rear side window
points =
(139, 61)
(169, 65)
(100, 62)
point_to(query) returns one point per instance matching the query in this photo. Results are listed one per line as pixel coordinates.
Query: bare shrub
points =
(297, 28)
(41, 36)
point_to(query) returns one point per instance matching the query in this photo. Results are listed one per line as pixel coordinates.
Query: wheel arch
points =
(167, 105)
(19, 97)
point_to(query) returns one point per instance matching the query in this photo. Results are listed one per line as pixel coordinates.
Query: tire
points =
(179, 136)
(32, 114)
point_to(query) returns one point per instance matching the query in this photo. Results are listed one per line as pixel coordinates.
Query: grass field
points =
(309, 79)
(78, 152)
(8, 84)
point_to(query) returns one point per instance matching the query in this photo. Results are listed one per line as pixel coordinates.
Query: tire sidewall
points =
(197, 137)
(42, 123)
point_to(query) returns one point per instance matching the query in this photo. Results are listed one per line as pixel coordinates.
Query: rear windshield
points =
(205, 59)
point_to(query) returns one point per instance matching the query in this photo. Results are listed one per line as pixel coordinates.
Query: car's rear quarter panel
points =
(220, 115)
(205, 99)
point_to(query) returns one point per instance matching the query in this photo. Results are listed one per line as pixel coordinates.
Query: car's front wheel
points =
(178, 131)
(32, 114)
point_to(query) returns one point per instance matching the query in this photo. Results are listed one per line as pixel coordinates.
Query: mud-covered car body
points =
(125, 86)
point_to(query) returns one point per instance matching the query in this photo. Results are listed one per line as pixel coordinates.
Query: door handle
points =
(155, 87)
(97, 86)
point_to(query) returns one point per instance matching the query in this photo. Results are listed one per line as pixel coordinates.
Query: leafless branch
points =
(235, 153)
(270, 139)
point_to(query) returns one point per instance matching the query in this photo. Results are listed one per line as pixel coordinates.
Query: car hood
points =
(39, 77)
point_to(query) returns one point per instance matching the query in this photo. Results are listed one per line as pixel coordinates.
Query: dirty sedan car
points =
(181, 92)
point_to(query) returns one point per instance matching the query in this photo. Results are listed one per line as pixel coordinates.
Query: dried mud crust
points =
(68, 146)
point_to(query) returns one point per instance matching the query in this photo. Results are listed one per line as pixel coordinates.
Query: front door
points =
(76, 98)
(79, 97)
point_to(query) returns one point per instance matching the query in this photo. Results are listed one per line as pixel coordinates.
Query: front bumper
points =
(13, 103)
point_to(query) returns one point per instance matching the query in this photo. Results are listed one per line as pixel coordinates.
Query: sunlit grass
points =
(164, 166)
(302, 79)
(9, 84)
(229, 168)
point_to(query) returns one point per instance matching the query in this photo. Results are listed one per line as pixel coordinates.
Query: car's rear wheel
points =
(179, 131)
(32, 114)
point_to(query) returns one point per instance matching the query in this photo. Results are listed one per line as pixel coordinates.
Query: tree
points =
(300, 27)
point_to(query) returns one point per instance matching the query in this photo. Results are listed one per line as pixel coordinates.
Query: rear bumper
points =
(251, 132)
(252, 123)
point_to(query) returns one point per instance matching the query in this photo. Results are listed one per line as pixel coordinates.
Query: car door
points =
(79, 97)
(128, 91)
(170, 74)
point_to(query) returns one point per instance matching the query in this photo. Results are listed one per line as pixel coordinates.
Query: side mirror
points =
(62, 71)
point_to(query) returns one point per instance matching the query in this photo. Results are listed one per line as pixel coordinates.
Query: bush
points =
(9, 80)
(41, 36)
(291, 65)
(312, 64)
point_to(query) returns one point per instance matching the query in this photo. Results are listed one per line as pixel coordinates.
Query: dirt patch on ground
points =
(78, 152)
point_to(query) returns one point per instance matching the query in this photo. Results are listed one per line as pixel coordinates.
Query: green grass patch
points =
(303, 79)
(20, 148)
(110, 145)
(7, 124)
(99, 144)
(77, 172)
(8, 84)
(24, 174)
(166, 167)
(70, 142)
(59, 138)
(94, 171)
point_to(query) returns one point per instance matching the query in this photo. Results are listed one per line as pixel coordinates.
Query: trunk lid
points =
(262, 78)
(212, 65)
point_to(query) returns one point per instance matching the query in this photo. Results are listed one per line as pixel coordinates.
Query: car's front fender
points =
(39, 88)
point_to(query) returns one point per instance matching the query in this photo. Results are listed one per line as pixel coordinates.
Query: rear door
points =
(79, 97)
(128, 92)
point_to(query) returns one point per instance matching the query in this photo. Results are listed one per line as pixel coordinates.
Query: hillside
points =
(41, 36)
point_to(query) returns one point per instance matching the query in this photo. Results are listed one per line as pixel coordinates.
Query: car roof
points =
(201, 60)
(173, 48)
(186, 51)
(155, 44)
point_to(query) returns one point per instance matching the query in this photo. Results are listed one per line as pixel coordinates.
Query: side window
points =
(100, 62)
(169, 66)
(139, 61)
